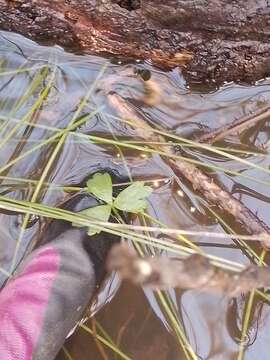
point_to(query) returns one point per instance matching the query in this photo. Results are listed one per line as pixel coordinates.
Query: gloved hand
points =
(50, 291)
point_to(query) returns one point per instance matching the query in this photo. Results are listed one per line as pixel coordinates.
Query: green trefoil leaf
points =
(132, 199)
(100, 185)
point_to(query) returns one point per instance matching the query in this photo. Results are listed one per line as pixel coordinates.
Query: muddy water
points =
(132, 317)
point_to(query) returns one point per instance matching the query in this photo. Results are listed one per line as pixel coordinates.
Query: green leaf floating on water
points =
(96, 213)
(132, 199)
(101, 186)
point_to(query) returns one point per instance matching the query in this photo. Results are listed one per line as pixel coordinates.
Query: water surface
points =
(133, 317)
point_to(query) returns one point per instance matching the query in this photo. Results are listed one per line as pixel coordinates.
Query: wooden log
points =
(212, 40)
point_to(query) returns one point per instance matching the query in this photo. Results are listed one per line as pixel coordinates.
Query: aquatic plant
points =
(130, 199)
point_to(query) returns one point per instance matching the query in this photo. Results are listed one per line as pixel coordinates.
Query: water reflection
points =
(211, 322)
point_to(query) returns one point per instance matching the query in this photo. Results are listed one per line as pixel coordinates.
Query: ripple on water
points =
(210, 321)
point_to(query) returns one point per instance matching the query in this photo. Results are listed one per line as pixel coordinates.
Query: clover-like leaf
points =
(132, 199)
(101, 186)
(96, 213)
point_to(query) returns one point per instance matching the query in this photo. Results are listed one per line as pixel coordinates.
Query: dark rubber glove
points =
(43, 302)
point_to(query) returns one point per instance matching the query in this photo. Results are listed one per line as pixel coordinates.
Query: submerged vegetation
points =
(38, 135)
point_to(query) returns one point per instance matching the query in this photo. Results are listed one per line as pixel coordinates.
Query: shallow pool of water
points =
(132, 317)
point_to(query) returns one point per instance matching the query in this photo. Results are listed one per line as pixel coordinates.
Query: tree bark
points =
(212, 40)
